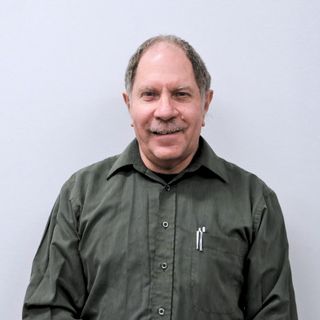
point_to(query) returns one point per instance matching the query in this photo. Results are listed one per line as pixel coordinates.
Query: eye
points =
(182, 95)
(148, 95)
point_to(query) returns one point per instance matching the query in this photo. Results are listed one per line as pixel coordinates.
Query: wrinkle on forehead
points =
(165, 59)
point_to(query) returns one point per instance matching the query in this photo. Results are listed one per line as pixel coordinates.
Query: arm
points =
(57, 285)
(269, 291)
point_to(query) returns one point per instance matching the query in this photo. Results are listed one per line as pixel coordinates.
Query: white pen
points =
(197, 239)
(200, 245)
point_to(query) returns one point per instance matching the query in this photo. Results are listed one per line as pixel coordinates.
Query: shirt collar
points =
(207, 159)
(204, 158)
(130, 157)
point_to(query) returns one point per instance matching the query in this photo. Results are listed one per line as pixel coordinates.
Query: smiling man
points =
(167, 229)
(167, 108)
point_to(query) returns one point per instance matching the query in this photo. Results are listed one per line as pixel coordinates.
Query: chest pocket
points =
(217, 274)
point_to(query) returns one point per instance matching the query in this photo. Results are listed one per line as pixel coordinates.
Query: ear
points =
(126, 99)
(207, 100)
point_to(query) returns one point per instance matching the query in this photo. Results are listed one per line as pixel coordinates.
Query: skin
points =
(166, 108)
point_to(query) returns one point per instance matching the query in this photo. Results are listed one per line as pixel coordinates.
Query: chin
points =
(167, 153)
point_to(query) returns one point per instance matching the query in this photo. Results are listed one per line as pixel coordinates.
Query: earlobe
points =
(203, 122)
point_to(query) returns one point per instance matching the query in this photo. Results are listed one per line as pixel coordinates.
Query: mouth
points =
(164, 132)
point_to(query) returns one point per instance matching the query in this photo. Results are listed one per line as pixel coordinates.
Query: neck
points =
(170, 166)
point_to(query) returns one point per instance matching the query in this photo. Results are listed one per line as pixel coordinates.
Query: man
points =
(166, 230)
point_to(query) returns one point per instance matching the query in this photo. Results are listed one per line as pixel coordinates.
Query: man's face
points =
(166, 108)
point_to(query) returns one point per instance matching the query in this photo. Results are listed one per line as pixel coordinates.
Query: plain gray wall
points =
(61, 77)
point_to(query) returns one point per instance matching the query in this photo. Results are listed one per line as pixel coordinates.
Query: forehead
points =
(164, 61)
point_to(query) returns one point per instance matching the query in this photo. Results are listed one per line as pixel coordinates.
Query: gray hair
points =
(201, 74)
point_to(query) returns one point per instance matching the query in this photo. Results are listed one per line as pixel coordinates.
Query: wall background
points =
(61, 77)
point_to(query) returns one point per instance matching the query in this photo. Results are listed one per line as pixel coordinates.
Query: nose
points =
(165, 109)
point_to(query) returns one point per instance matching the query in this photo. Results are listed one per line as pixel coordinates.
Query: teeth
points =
(164, 132)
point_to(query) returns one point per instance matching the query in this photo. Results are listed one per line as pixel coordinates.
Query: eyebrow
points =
(187, 88)
(179, 88)
(148, 88)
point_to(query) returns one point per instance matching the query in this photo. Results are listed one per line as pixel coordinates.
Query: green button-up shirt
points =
(122, 244)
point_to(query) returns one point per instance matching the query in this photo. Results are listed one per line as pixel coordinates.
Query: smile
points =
(166, 131)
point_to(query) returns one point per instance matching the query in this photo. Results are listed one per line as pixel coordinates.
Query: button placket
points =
(163, 274)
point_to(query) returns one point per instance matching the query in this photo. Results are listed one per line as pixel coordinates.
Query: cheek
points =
(141, 116)
(196, 120)
(140, 125)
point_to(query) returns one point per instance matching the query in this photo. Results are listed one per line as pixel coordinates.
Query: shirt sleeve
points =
(269, 291)
(57, 284)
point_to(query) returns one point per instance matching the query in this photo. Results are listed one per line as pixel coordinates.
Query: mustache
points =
(166, 127)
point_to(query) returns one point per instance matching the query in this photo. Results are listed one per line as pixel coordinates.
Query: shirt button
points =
(164, 266)
(165, 224)
(161, 311)
(167, 187)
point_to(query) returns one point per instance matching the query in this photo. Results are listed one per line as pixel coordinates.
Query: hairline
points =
(201, 75)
